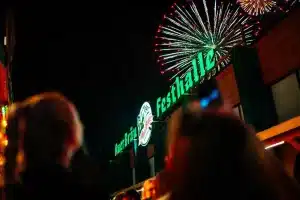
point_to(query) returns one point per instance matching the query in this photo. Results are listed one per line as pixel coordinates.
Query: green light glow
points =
(198, 73)
(183, 85)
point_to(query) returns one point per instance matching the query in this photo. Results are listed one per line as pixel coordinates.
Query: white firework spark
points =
(293, 2)
(187, 34)
(257, 7)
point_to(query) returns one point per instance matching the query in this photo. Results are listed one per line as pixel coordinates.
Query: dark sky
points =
(100, 55)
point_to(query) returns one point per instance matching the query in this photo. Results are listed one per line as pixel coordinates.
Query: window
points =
(286, 95)
(238, 111)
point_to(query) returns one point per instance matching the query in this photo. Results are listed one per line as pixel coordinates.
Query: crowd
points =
(211, 154)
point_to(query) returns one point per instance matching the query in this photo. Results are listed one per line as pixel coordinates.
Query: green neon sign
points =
(127, 139)
(183, 85)
(202, 69)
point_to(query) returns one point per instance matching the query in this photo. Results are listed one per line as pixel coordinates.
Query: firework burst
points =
(186, 33)
(257, 7)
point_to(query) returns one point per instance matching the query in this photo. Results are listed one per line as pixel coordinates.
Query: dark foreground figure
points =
(44, 133)
(214, 155)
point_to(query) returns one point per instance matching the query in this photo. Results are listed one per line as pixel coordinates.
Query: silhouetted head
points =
(46, 129)
(213, 153)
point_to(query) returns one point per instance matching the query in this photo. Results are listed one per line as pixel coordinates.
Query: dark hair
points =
(48, 124)
(39, 126)
(216, 154)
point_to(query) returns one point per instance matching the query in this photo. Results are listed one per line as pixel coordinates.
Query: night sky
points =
(99, 55)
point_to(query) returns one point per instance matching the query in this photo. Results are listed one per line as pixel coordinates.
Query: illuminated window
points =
(286, 95)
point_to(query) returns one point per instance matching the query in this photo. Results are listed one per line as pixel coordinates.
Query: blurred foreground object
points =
(3, 142)
(205, 140)
(149, 189)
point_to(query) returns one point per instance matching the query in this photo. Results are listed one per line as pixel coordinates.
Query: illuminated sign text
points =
(201, 69)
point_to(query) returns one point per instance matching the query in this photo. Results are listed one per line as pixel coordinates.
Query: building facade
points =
(263, 85)
(278, 56)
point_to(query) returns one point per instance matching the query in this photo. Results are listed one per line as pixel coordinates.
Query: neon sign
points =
(142, 131)
(201, 69)
(127, 139)
(183, 85)
(144, 124)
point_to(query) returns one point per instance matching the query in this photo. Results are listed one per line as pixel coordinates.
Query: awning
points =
(285, 131)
